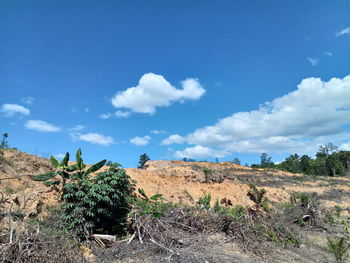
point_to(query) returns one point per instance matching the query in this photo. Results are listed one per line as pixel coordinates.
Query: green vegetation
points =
(4, 144)
(204, 201)
(258, 197)
(98, 204)
(338, 248)
(154, 205)
(90, 203)
(72, 172)
(143, 159)
(328, 162)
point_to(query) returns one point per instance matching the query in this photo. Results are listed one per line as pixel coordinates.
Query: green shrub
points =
(302, 199)
(154, 205)
(338, 248)
(236, 212)
(90, 203)
(97, 204)
(204, 201)
(258, 197)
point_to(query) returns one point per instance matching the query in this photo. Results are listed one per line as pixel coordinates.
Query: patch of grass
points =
(338, 247)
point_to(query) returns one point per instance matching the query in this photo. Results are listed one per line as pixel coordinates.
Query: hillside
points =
(182, 182)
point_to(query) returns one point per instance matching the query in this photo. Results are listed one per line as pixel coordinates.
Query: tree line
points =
(328, 162)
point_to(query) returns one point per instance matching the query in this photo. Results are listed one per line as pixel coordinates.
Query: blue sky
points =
(174, 79)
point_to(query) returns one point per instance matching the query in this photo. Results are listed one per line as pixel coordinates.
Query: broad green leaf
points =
(44, 177)
(72, 168)
(64, 174)
(142, 192)
(95, 167)
(65, 160)
(54, 162)
(155, 197)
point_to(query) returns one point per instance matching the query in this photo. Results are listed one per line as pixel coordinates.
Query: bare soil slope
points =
(182, 182)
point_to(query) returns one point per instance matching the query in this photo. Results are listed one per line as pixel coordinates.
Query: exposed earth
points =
(186, 182)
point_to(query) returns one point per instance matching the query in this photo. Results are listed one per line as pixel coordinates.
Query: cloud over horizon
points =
(154, 91)
(313, 114)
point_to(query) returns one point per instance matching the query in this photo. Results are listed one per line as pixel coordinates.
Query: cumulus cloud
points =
(140, 141)
(175, 138)
(92, 137)
(200, 152)
(345, 31)
(10, 110)
(41, 126)
(313, 114)
(155, 91)
(313, 61)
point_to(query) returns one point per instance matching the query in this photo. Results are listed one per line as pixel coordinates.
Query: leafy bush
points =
(301, 199)
(236, 213)
(99, 203)
(338, 247)
(154, 205)
(204, 201)
(258, 197)
(91, 203)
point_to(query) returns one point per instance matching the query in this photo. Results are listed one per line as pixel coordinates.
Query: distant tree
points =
(236, 161)
(291, 164)
(265, 161)
(185, 159)
(216, 160)
(305, 164)
(326, 150)
(4, 144)
(143, 159)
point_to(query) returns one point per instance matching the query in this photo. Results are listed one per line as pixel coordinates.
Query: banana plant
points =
(67, 172)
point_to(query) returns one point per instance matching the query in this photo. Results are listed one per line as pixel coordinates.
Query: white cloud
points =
(105, 116)
(200, 152)
(329, 54)
(118, 114)
(343, 32)
(301, 120)
(28, 100)
(77, 128)
(92, 137)
(122, 114)
(41, 126)
(155, 91)
(10, 110)
(313, 61)
(140, 141)
(175, 138)
(345, 146)
(158, 132)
